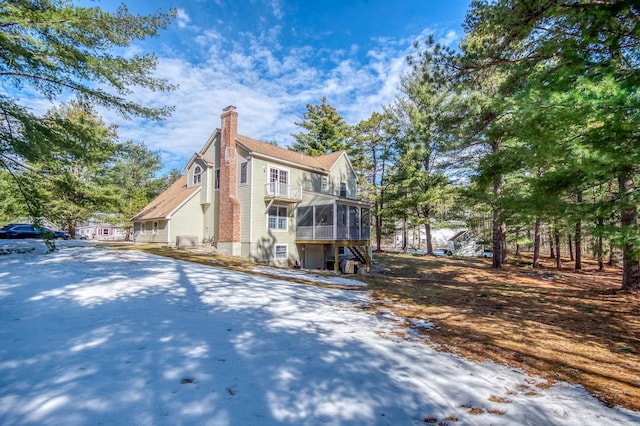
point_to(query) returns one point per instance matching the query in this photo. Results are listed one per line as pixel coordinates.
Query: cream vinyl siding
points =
(213, 151)
(342, 172)
(244, 196)
(315, 198)
(209, 213)
(259, 206)
(264, 240)
(187, 220)
(161, 236)
(216, 212)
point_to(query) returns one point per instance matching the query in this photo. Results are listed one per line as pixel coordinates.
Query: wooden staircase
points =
(359, 254)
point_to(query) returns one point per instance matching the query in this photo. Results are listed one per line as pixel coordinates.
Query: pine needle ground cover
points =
(567, 325)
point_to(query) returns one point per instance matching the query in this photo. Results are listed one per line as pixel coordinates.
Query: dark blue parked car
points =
(26, 230)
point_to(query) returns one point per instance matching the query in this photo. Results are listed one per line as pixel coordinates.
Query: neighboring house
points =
(417, 235)
(268, 204)
(100, 228)
(450, 235)
(465, 243)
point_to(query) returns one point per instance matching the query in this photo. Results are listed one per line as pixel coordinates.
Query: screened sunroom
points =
(323, 232)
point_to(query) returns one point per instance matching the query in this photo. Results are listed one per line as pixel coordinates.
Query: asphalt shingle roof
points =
(165, 203)
(324, 162)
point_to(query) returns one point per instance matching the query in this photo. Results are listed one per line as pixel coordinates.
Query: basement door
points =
(314, 256)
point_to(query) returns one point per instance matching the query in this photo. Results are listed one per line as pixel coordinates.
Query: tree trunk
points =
(378, 233)
(503, 241)
(570, 245)
(536, 244)
(552, 253)
(71, 224)
(405, 234)
(629, 221)
(496, 239)
(427, 231)
(612, 255)
(600, 251)
(497, 223)
(378, 226)
(579, 237)
(557, 244)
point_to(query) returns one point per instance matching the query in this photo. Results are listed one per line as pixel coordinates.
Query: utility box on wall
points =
(186, 241)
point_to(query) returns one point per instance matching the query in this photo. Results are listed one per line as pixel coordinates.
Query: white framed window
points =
(278, 181)
(278, 175)
(281, 251)
(155, 227)
(104, 231)
(277, 218)
(343, 189)
(197, 175)
(216, 184)
(243, 172)
(324, 184)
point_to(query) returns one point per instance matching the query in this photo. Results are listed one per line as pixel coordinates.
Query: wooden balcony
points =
(281, 192)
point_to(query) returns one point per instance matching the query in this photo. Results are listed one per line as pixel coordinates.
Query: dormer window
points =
(197, 175)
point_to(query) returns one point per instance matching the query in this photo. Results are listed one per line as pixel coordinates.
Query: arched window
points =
(197, 175)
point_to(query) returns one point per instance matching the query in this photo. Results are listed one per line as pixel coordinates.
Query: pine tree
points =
(132, 173)
(60, 50)
(325, 131)
(375, 135)
(70, 189)
(574, 66)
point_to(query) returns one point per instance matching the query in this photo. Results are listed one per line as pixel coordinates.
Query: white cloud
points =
(208, 38)
(269, 84)
(449, 38)
(276, 7)
(182, 19)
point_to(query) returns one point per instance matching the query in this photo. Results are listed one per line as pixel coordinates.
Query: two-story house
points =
(268, 204)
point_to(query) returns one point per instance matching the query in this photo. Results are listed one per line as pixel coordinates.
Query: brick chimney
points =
(229, 206)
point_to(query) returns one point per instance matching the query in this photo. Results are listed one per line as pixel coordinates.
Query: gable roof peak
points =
(276, 152)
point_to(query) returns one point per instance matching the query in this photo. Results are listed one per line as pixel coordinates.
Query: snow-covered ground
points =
(309, 276)
(99, 336)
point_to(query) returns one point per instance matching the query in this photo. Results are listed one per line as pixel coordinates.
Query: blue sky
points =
(270, 58)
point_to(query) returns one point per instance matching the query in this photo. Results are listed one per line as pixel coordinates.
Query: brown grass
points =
(567, 325)
(561, 325)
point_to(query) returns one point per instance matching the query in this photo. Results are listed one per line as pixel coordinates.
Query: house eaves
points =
(329, 161)
(198, 156)
(170, 200)
(285, 162)
(270, 152)
(210, 141)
